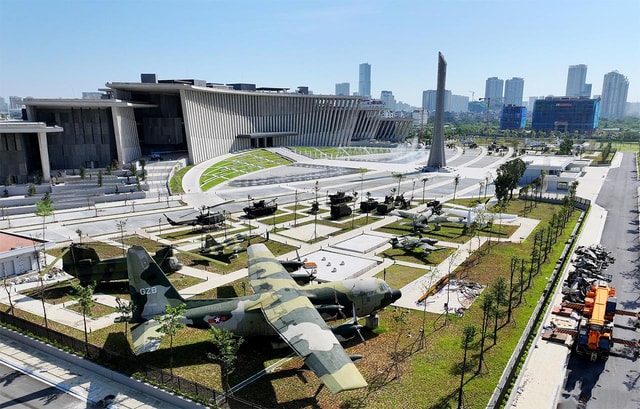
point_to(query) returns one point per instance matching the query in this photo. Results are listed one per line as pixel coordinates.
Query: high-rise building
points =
(15, 102)
(614, 95)
(364, 80)
(459, 103)
(388, 99)
(576, 82)
(513, 91)
(565, 114)
(493, 89)
(513, 117)
(4, 107)
(342, 88)
(429, 98)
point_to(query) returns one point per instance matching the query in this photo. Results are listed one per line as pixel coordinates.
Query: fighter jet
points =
(411, 243)
(420, 220)
(227, 247)
(480, 213)
(278, 307)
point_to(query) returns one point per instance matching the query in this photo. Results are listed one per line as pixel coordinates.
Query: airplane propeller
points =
(356, 325)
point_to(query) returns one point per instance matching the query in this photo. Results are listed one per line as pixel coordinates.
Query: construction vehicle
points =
(595, 329)
(593, 337)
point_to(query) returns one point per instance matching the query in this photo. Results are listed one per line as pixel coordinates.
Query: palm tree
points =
(399, 176)
(424, 184)
(456, 182)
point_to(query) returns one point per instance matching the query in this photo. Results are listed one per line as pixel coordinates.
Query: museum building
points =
(198, 119)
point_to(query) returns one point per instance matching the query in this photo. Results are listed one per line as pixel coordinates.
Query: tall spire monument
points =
(436, 155)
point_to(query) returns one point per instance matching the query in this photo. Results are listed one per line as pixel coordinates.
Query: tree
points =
(8, 290)
(424, 184)
(456, 182)
(227, 346)
(83, 172)
(399, 176)
(362, 172)
(31, 190)
(468, 334)
(499, 290)
(400, 317)
(44, 208)
(566, 146)
(487, 308)
(508, 175)
(170, 325)
(125, 309)
(84, 296)
(100, 178)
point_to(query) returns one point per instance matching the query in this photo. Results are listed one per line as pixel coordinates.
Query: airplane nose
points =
(395, 295)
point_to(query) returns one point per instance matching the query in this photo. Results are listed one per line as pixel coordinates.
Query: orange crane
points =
(594, 335)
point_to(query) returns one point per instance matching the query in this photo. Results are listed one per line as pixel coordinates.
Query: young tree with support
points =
(499, 290)
(84, 296)
(227, 346)
(468, 335)
(170, 325)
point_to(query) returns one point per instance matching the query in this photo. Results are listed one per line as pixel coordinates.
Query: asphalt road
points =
(614, 383)
(19, 390)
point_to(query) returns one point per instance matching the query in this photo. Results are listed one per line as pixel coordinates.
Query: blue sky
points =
(59, 48)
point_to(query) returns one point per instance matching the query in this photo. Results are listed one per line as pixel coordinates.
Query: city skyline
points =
(314, 44)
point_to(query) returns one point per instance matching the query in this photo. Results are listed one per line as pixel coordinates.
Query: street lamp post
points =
(121, 225)
(249, 218)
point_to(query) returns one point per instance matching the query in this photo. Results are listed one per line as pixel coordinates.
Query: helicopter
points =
(207, 219)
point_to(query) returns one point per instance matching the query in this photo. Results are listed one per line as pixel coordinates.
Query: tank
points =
(340, 210)
(368, 206)
(261, 208)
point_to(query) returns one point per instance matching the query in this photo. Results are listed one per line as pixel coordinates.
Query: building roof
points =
(9, 241)
(84, 103)
(548, 162)
(176, 87)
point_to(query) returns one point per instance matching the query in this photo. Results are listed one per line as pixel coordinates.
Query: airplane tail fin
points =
(170, 220)
(150, 290)
(209, 241)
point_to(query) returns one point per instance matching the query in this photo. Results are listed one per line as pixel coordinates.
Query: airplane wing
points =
(146, 337)
(403, 214)
(427, 247)
(298, 323)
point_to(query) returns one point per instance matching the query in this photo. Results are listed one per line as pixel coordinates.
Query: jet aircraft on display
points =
(425, 244)
(278, 307)
(420, 220)
(228, 246)
(481, 213)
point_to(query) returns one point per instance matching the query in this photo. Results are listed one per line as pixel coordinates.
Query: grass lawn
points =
(97, 311)
(239, 165)
(175, 184)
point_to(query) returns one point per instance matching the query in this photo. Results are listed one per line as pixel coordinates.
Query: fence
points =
(125, 364)
(578, 202)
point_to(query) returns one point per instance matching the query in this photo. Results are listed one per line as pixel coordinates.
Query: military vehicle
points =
(401, 203)
(368, 206)
(340, 197)
(261, 208)
(386, 206)
(83, 262)
(278, 307)
(340, 210)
